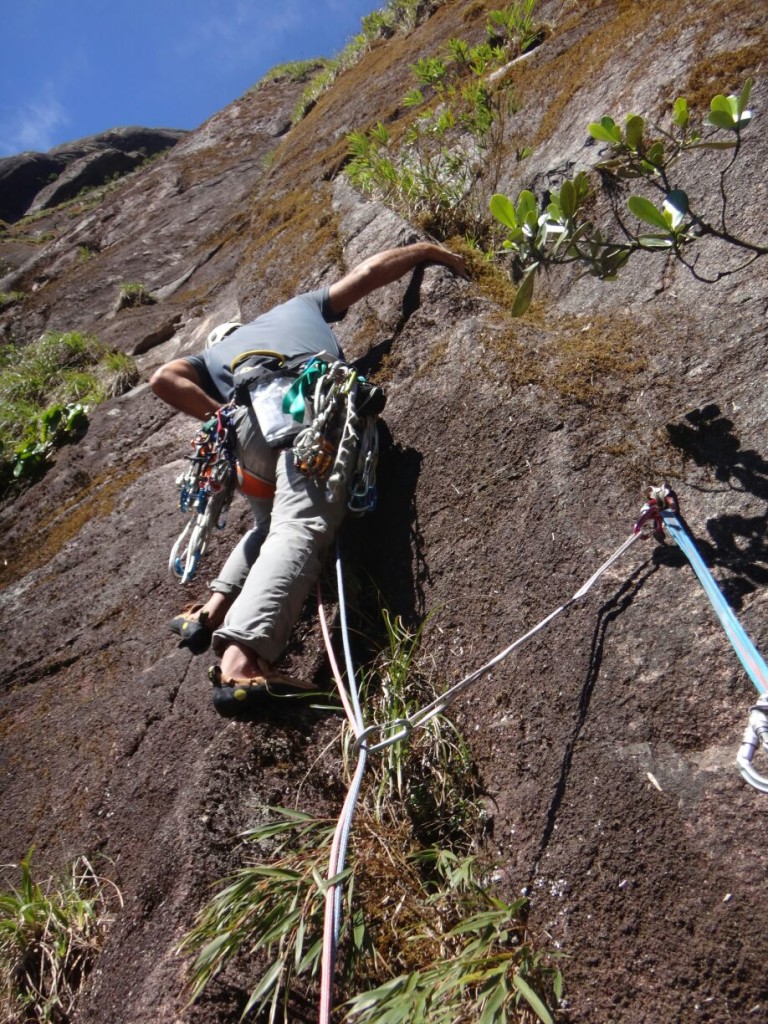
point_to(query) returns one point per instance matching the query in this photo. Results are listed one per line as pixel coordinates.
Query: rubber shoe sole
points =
(241, 698)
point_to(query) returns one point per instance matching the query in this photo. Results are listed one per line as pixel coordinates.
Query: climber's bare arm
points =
(388, 266)
(178, 384)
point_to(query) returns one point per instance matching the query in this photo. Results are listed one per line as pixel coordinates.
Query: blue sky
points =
(72, 68)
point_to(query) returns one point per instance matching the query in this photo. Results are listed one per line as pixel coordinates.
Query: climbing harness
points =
(325, 410)
(205, 492)
(661, 509)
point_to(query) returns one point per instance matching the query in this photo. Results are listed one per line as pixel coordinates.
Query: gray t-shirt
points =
(294, 328)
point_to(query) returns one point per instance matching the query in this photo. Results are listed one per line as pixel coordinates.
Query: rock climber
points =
(258, 595)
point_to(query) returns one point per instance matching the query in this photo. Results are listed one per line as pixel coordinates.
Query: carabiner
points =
(755, 735)
(402, 725)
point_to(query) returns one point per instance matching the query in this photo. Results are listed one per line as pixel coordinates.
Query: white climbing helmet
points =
(219, 333)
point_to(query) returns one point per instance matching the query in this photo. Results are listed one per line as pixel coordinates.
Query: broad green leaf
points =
(680, 115)
(634, 131)
(503, 210)
(532, 999)
(581, 185)
(605, 130)
(524, 294)
(516, 236)
(655, 154)
(644, 210)
(52, 415)
(77, 418)
(568, 199)
(655, 241)
(526, 205)
(679, 199)
(724, 104)
(743, 98)
(721, 119)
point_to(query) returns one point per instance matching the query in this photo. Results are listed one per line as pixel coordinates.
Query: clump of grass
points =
(485, 968)
(327, 75)
(46, 391)
(292, 71)
(50, 935)
(423, 938)
(431, 777)
(134, 293)
(10, 299)
(396, 16)
(439, 166)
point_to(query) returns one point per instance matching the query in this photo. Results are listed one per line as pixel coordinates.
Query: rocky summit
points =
(31, 182)
(521, 451)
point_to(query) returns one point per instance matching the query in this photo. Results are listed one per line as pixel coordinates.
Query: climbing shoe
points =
(240, 698)
(191, 624)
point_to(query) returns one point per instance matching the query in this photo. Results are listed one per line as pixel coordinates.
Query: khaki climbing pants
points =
(276, 564)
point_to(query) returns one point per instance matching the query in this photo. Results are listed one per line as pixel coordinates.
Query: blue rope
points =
(748, 654)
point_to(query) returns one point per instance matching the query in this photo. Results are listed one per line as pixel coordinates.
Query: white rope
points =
(401, 728)
(333, 895)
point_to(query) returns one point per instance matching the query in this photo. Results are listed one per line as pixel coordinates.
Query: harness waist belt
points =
(253, 486)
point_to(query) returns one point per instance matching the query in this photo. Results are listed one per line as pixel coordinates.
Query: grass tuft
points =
(50, 935)
(422, 936)
(46, 390)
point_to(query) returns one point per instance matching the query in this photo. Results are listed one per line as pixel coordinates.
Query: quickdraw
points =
(362, 482)
(339, 446)
(205, 492)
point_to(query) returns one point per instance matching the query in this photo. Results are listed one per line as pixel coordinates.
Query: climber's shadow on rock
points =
(738, 543)
(386, 546)
(709, 439)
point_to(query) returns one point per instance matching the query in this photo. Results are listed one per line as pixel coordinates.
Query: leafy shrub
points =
(292, 71)
(46, 391)
(440, 170)
(560, 230)
(397, 15)
(515, 27)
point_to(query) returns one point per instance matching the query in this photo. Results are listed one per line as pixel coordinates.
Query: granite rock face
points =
(521, 452)
(36, 181)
